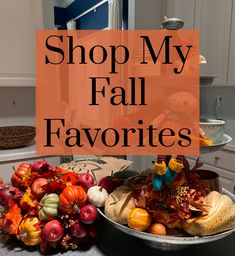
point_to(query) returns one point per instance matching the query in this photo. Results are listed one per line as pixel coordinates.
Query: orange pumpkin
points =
(71, 199)
(21, 176)
(139, 219)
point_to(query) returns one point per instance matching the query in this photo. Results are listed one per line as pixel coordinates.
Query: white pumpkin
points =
(97, 195)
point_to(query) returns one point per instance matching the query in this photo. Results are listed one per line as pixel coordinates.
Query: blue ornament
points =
(169, 175)
(159, 180)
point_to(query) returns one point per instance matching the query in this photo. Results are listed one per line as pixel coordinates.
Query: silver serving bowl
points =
(170, 243)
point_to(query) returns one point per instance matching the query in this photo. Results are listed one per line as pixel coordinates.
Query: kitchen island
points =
(112, 242)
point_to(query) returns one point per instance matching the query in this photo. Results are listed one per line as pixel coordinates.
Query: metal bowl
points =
(172, 23)
(170, 243)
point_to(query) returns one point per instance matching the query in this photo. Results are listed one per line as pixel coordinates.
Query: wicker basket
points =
(16, 136)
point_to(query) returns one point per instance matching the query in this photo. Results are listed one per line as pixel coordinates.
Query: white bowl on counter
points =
(214, 129)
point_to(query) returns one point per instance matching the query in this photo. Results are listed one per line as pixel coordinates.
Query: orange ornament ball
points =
(157, 229)
(139, 219)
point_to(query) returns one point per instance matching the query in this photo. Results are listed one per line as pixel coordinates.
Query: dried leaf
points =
(186, 164)
(198, 165)
(28, 200)
(142, 200)
(12, 220)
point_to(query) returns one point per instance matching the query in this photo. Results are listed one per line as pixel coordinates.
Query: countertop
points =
(28, 151)
(112, 242)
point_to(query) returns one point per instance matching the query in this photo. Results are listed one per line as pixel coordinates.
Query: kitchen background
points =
(19, 19)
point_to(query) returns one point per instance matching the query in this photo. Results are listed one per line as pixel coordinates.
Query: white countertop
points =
(18, 154)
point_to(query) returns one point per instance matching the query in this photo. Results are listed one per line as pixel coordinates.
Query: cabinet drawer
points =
(7, 168)
(222, 159)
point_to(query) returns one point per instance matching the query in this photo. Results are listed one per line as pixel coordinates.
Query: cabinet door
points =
(231, 73)
(213, 19)
(18, 22)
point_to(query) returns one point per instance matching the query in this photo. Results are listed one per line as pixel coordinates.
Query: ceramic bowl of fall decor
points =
(16, 136)
(214, 129)
(215, 147)
(175, 241)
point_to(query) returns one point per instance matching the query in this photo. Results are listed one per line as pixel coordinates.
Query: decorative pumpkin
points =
(71, 199)
(49, 206)
(139, 219)
(29, 231)
(21, 176)
(97, 195)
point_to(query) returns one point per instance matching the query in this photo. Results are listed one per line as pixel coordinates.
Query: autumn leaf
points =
(28, 200)
(12, 220)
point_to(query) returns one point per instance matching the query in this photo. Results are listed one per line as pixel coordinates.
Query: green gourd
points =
(49, 206)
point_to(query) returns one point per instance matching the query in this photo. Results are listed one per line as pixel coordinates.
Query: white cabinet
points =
(231, 73)
(19, 21)
(213, 18)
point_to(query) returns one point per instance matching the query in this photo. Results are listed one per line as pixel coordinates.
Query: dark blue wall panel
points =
(60, 16)
(92, 20)
(95, 19)
(125, 14)
(80, 6)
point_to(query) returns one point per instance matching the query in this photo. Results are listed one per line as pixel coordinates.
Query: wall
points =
(17, 106)
(208, 97)
(144, 15)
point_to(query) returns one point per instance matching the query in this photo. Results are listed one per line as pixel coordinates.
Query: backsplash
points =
(19, 103)
(17, 106)
(227, 105)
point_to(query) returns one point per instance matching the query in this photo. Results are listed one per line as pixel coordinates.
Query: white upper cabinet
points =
(19, 21)
(231, 68)
(213, 18)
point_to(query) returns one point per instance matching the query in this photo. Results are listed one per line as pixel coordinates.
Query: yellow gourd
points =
(29, 231)
(139, 219)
